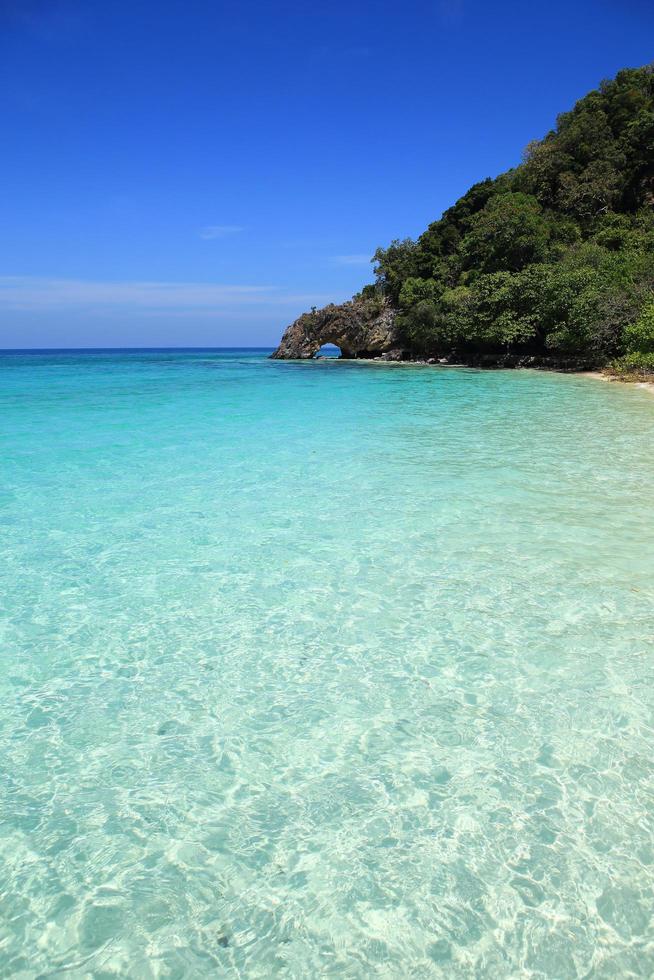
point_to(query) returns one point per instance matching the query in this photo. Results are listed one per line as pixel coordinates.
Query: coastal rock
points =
(361, 328)
(394, 355)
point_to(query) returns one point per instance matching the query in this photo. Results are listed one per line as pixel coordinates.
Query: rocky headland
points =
(550, 264)
(361, 328)
(368, 329)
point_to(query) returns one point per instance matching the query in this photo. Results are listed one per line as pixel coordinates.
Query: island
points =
(550, 264)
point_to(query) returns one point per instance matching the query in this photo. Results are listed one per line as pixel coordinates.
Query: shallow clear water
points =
(324, 669)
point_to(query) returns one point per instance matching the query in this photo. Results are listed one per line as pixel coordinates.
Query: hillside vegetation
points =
(555, 257)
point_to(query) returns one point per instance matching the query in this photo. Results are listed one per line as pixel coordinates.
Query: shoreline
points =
(637, 382)
(595, 373)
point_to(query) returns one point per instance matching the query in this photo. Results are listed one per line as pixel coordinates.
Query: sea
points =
(323, 669)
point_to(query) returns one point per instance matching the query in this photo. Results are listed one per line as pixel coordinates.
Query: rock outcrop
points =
(361, 328)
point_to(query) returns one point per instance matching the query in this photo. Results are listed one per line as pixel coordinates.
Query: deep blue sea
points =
(323, 669)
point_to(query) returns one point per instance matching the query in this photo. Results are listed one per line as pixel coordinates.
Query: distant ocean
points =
(323, 669)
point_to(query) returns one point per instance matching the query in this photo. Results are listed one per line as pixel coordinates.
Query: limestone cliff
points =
(361, 328)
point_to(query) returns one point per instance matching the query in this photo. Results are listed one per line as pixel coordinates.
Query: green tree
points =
(508, 234)
(395, 264)
(639, 336)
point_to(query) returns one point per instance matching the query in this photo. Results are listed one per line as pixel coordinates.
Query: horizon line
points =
(52, 350)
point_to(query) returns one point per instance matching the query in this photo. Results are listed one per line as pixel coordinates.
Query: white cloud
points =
(359, 259)
(40, 293)
(219, 231)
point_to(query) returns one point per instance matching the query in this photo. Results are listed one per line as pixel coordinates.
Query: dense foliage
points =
(555, 257)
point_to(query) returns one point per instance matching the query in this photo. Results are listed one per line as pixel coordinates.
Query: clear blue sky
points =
(198, 172)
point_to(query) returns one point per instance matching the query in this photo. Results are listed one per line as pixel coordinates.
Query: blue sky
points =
(199, 173)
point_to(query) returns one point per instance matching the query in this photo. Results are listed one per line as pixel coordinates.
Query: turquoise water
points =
(324, 669)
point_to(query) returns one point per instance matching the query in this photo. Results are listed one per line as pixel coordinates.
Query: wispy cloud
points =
(220, 231)
(49, 294)
(358, 259)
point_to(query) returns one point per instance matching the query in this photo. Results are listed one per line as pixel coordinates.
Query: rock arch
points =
(360, 328)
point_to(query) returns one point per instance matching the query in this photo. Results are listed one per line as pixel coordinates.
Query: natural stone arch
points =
(335, 341)
(361, 328)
